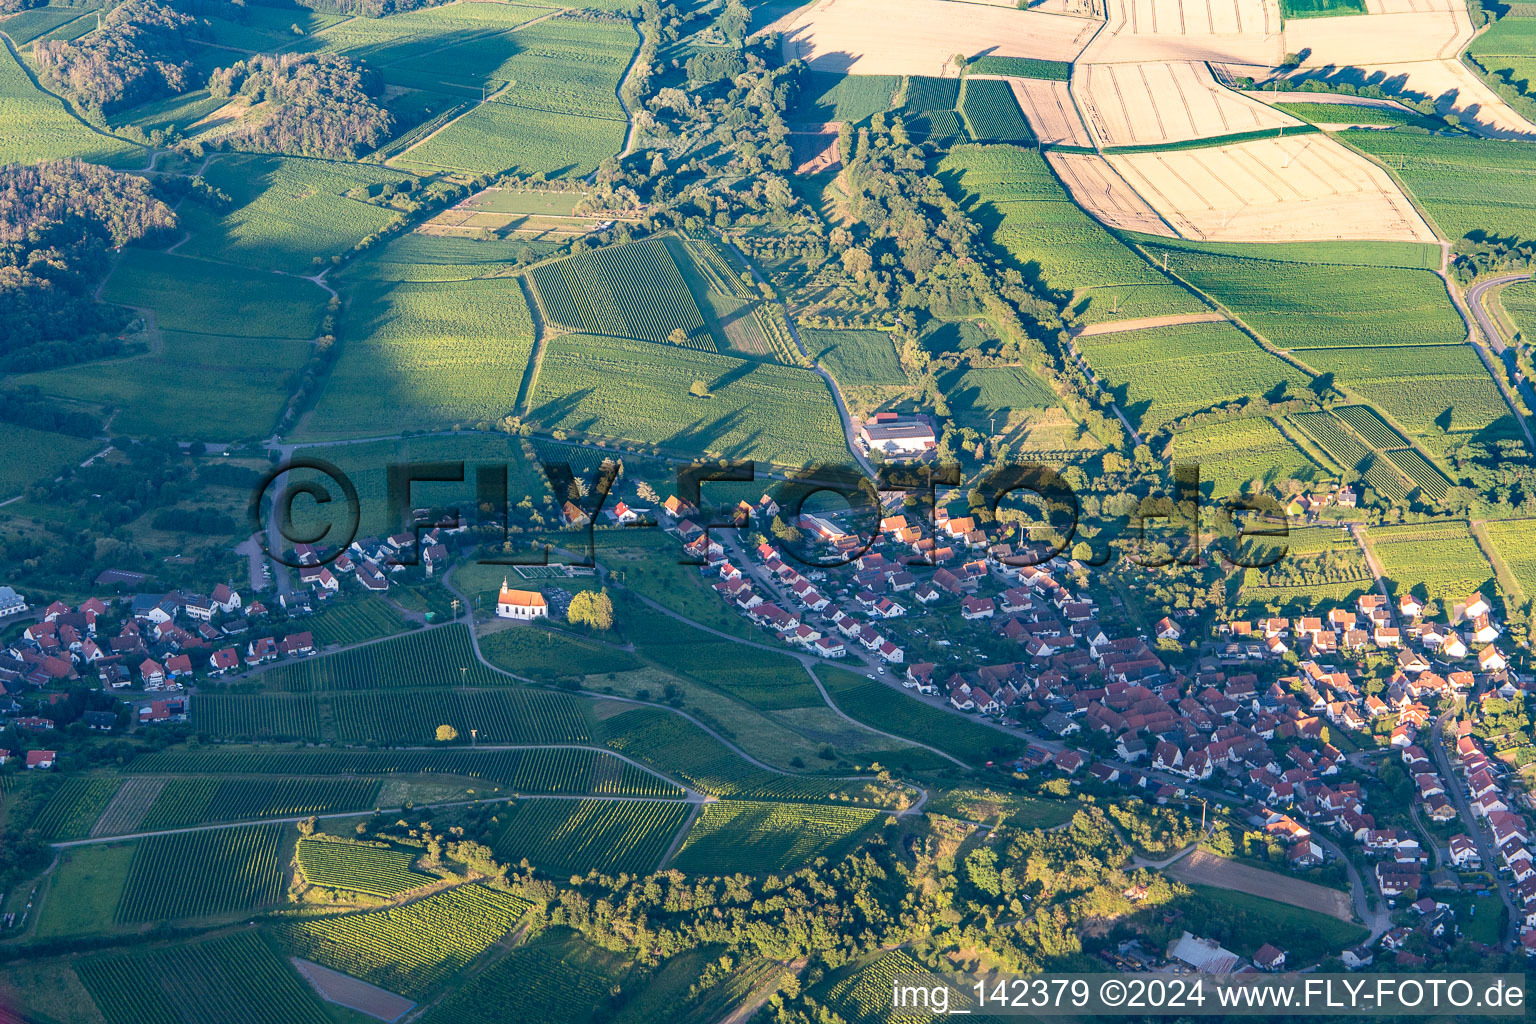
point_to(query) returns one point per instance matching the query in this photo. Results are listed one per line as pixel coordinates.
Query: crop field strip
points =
(410, 949)
(1234, 453)
(749, 836)
(1440, 560)
(570, 837)
(678, 747)
(1513, 541)
(74, 807)
(558, 978)
(992, 113)
(133, 800)
(373, 869)
(197, 874)
(1163, 373)
(429, 657)
(575, 392)
(1466, 184)
(267, 717)
(1329, 434)
(234, 979)
(511, 716)
(625, 291)
(185, 802)
(1027, 213)
(528, 770)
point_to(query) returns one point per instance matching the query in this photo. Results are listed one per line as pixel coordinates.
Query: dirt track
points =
(1204, 868)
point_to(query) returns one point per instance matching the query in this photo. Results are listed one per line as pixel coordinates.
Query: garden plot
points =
(1100, 190)
(1048, 108)
(1147, 104)
(919, 37)
(1235, 31)
(1284, 189)
(1357, 39)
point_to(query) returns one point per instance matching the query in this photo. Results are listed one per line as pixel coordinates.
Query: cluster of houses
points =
(371, 561)
(1507, 830)
(1418, 644)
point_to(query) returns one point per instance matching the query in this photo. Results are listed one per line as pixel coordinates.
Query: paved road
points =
(1485, 849)
(1484, 335)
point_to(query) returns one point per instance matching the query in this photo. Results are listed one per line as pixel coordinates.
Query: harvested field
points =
(1099, 189)
(1203, 868)
(1048, 108)
(814, 152)
(1147, 104)
(354, 994)
(1233, 31)
(918, 37)
(1290, 189)
(1379, 38)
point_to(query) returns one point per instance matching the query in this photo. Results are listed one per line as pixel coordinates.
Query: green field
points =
(1014, 195)
(499, 715)
(559, 978)
(623, 291)
(1441, 394)
(437, 657)
(1234, 454)
(1161, 374)
(677, 746)
(1519, 302)
(267, 717)
(572, 772)
(1320, 8)
(753, 838)
(418, 357)
(1356, 113)
(1322, 303)
(1440, 562)
(864, 996)
(373, 869)
(826, 97)
(74, 807)
(234, 979)
(263, 29)
(497, 137)
(991, 112)
(1514, 542)
(546, 655)
(572, 837)
(208, 298)
(28, 25)
(86, 887)
(1021, 67)
(877, 706)
(287, 213)
(576, 392)
(367, 465)
(765, 680)
(996, 399)
(233, 388)
(565, 65)
(35, 126)
(29, 456)
(855, 358)
(1468, 185)
(185, 802)
(195, 874)
(410, 949)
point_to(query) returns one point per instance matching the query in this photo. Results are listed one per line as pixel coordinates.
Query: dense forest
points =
(57, 221)
(317, 105)
(140, 54)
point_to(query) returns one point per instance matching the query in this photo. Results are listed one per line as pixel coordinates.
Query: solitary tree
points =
(447, 734)
(699, 389)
